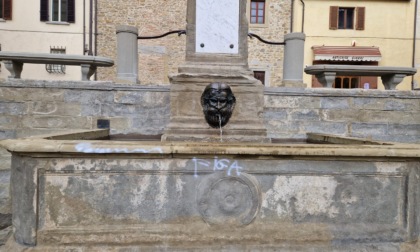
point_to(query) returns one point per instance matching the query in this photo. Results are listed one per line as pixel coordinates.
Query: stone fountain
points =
(80, 191)
(216, 52)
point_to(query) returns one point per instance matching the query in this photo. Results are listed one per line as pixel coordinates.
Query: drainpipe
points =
(291, 15)
(414, 43)
(84, 26)
(90, 26)
(96, 27)
(303, 14)
(96, 33)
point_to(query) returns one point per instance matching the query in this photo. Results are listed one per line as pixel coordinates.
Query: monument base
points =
(215, 68)
(187, 122)
(295, 84)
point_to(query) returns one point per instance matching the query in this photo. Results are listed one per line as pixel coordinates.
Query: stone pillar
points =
(127, 54)
(293, 60)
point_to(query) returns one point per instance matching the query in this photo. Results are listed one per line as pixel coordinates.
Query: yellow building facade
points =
(373, 32)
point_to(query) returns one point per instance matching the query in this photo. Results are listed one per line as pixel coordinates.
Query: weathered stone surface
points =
(200, 196)
(88, 97)
(335, 103)
(147, 100)
(7, 133)
(13, 108)
(60, 122)
(359, 119)
(4, 235)
(54, 108)
(5, 199)
(30, 94)
(8, 121)
(283, 107)
(368, 130)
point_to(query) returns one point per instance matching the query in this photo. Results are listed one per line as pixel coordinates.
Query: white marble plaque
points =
(217, 26)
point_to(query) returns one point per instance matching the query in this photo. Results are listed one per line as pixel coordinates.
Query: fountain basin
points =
(77, 190)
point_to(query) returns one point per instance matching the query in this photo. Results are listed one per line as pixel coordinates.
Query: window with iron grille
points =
(346, 82)
(53, 68)
(257, 12)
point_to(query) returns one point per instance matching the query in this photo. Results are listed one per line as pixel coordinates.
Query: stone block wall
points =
(265, 57)
(30, 107)
(157, 57)
(373, 114)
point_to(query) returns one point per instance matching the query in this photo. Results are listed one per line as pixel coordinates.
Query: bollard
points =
(293, 59)
(127, 54)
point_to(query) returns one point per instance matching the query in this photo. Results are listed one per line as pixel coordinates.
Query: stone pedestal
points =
(216, 53)
(127, 54)
(187, 121)
(293, 60)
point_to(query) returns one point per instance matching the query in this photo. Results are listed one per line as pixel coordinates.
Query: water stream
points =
(220, 127)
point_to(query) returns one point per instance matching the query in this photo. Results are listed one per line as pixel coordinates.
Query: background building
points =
(46, 26)
(358, 33)
(380, 33)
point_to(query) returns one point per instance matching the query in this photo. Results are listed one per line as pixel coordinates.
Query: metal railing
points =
(179, 32)
(184, 32)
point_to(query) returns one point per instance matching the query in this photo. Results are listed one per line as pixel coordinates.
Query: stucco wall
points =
(30, 107)
(26, 33)
(393, 33)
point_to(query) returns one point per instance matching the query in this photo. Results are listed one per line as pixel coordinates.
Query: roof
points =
(347, 53)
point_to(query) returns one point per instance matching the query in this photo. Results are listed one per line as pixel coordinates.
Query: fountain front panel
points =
(81, 193)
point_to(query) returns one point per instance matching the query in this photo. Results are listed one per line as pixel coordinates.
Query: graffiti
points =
(218, 165)
(88, 148)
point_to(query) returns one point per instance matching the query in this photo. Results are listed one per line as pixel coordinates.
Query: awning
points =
(347, 53)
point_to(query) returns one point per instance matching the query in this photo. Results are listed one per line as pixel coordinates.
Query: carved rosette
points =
(229, 200)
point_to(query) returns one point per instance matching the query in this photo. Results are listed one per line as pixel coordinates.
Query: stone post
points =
(293, 60)
(127, 54)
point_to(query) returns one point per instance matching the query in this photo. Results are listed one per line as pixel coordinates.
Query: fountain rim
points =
(84, 142)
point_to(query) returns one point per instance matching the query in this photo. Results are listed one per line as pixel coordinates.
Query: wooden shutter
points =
(44, 10)
(71, 14)
(7, 10)
(333, 17)
(360, 18)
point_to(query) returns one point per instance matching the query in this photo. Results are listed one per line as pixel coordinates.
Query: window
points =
(257, 12)
(260, 75)
(57, 69)
(6, 9)
(347, 18)
(346, 82)
(58, 11)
